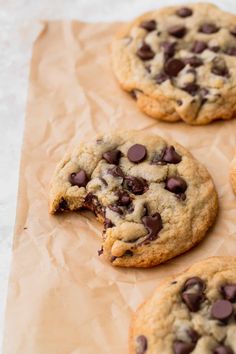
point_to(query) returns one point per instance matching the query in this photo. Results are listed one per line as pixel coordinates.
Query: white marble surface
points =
(18, 27)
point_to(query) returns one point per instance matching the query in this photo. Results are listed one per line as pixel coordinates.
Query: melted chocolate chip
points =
(169, 49)
(230, 51)
(183, 347)
(215, 48)
(176, 185)
(153, 224)
(116, 172)
(112, 156)
(100, 252)
(148, 25)
(171, 156)
(62, 205)
(113, 258)
(173, 67)
(193, 335)
(135, 185)
(177, 31)
(145, 52)
(223, 349)
(79, 179)
(142, 344)
(191, 88)
(108, 223)
(160, 78)
(194, 61)
(92, 203)
(128, 253)
(219, 67)
(124, 198)
(133, 94)
(116, 209)
(222, 310)
(103, 181)
(184, 12)
(199, 47)
(208, 28)
(194, 282)
(137, 153)
(229, 292)
(192, 300)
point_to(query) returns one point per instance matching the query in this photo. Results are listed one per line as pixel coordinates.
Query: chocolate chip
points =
(230, 51)
(208, 28)
(100, 252)
(135, 185)
(148, 25)
(194, 61)
(199, 47)
(183, 347)
(62, 205)
(145, 52)
(193, 335)
(229, 292)
(215, 48)
(133, 94)
(177, 31)
(112, 156)
(92, 203)
(116, 209)
(171, 156)
(193, 301)
(124, 198)
(191, 88)
(153, 224)
(179, 102)
(194, 282)
(219, 67)
(142, 344)
(137, 153)
(222, 349)
(79, 179)
(113, 258)
(116, 172)
(233, 31)
(169, 49)
(184, 12)
(222, 310)
(160, 78)
(128, 253)
(108, 223)
(176, 185)
(173, 67)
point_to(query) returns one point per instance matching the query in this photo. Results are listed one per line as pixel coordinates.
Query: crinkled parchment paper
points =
(63, 298)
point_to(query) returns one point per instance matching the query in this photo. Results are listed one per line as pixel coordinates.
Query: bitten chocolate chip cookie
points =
(155, 200)
(233, 174)
(180, 63)
(194, 312)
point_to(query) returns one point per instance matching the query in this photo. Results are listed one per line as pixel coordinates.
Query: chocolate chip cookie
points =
(180, 63)
(194, 312)
(233, 173)
(155, 200)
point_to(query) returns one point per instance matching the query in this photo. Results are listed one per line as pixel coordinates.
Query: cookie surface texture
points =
(155, 199)
(193, 312)
(180, 63)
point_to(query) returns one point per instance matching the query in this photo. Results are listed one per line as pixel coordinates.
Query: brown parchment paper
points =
(63, 298)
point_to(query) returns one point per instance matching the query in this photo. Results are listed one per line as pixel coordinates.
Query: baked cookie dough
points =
(193, 312)
(180, 63)
(155, 199)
